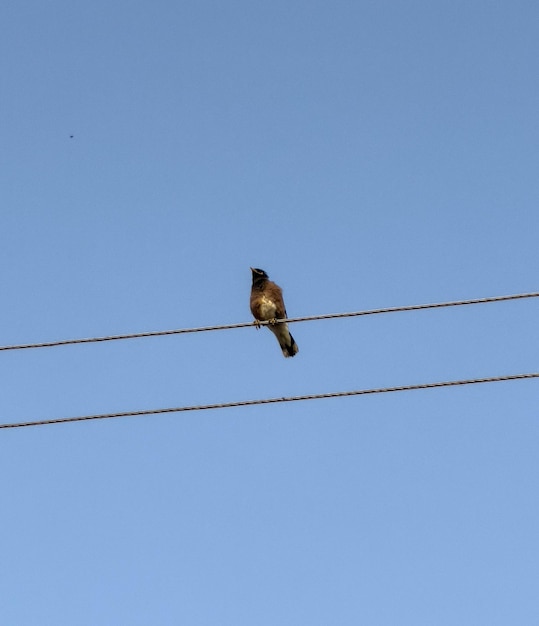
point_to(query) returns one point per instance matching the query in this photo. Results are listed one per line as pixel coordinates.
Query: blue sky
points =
(365, 154)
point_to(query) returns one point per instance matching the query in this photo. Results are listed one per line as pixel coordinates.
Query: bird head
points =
(258, 275)
(257, 272)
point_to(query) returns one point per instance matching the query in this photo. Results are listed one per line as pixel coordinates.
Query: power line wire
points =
(310, 318)
(319, 396)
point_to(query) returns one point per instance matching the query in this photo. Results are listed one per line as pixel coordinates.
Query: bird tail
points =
(291, 348)
(285, 339)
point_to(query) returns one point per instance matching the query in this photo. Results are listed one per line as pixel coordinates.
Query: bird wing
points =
(275, 293)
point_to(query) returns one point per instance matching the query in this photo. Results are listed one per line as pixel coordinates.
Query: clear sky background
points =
(365, 154)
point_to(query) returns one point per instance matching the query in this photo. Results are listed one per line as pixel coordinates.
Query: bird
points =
(267, 305)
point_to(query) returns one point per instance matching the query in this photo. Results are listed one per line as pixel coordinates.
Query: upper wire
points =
(291, 320)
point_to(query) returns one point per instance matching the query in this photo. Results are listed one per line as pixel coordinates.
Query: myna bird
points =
(267, 305)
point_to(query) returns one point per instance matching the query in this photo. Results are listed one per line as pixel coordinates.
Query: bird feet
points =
(271, 322)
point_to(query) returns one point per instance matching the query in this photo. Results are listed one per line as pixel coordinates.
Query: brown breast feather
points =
(272, 292)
